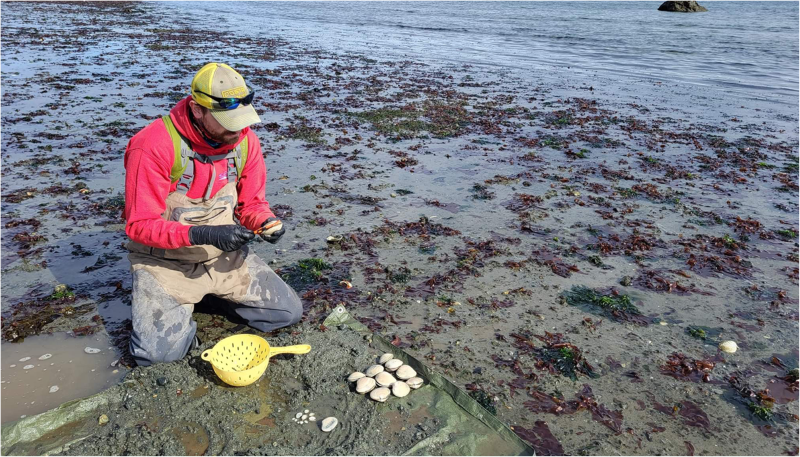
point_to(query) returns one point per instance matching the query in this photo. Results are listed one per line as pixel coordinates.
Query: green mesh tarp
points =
(467, 427)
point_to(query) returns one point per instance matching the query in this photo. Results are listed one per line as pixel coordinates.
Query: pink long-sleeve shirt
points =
(148, 163)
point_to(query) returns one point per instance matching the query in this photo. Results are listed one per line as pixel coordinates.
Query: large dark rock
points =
(681, 7)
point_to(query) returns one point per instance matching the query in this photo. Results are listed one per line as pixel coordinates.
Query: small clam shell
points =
(329, 423)
(400, 389)
(364, 385)
(728, 346)
(385, 358)
(355, 376)
(393, 364)
(385, 379)
(380, 394)
(414, 383)
(373, 370)
(405, 372)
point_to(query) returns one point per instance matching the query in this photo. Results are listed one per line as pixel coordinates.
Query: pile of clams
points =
(379, 382)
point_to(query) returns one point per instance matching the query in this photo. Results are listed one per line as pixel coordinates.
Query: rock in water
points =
(329, 423)
(682, 7)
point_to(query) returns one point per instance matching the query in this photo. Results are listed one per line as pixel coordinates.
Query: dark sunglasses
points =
(229, 103)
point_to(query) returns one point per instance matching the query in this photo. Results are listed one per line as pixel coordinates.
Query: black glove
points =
(274, 236)
(227, 238)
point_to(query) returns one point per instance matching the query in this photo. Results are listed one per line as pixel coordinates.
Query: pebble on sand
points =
(53, 389)
(89, 350)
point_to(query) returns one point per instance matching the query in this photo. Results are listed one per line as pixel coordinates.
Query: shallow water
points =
(738, 47)
(69, 368)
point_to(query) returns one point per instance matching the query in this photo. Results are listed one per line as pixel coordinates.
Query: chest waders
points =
(218, 210)
(167, 283)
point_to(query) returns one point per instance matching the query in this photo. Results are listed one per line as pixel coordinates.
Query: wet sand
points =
(471, 202)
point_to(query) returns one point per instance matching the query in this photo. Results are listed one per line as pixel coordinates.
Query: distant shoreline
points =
(93, 3)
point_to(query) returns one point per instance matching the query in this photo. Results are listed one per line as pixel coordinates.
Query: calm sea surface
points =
(745, 47)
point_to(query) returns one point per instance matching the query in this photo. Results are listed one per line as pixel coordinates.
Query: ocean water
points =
(747, 48)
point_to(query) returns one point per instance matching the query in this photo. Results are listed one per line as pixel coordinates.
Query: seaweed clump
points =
(618, 306)
(557, 356)
(307, 271)
(681, 367)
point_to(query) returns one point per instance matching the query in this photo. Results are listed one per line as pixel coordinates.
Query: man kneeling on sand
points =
(194, 196)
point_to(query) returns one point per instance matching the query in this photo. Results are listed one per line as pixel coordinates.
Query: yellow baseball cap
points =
(223, 91)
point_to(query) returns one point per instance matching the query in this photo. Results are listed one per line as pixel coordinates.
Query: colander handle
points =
(297, 349)
(206, 355)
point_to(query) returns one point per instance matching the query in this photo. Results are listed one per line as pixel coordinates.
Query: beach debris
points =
(405, 372)
(346, 284)
(329, 423)
(384, 379)
(400, 389)
(90, 350)
(393, 365)
(374, 370)
(380, 394)
(385, 358)
(103, 420)
(45, 356)
(728, 346)
(355, 376)
(334, 239)
(415, 382)
(298, 415)
(27, 367)
(365, 385)
(12, 365)
(53, 389)
(24, 359)
(304, 417)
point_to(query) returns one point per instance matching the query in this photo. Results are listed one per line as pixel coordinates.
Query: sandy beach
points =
(529, 231)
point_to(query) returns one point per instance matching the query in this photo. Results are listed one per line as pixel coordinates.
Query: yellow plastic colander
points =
(239, 360)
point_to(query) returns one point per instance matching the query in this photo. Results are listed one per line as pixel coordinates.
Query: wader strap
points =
(183, 167)
(185, 181)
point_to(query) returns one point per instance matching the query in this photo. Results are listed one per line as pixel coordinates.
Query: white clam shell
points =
(364, 385)
(385, 358)
(329, 423)
(355, 376)
(728, 346)
(298, 415)
(385, 379)
(374, 370)
(380, 394)
(393, 364)
(400, 389)
(415, 382)
(405, 372)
